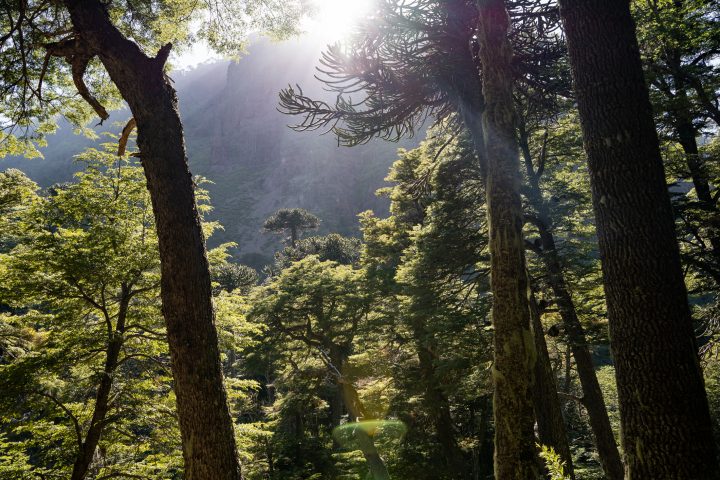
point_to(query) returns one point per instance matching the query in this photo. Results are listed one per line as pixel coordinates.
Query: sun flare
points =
(335, 18)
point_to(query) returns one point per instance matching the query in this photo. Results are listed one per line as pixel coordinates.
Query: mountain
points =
(237, 139)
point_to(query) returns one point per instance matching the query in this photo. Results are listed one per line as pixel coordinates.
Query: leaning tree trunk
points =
(207, 432)
(548, 411)
(666, 428)
(515, 455)
(437, 402)
(356, 411)
(686, 133)
(592, 399)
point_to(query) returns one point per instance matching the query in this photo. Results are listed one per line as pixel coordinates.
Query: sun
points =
(334, 19)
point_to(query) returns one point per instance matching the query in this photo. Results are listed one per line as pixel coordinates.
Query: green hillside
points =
(238, 140)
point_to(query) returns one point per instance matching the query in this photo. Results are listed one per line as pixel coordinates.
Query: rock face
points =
(237, 139)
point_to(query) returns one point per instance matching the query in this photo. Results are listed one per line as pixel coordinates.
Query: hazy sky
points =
(332, 21)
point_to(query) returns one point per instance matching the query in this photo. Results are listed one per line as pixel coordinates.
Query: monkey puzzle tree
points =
(660, 385)
(50, 51)
(293, 221)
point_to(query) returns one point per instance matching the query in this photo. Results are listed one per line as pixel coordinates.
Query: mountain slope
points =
(237, 139)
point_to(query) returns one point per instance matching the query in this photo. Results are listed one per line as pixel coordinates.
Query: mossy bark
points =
(515, 453)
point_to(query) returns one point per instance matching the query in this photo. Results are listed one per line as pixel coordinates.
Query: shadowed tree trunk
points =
(437, 403)
(515, 455)
(102, 396)
(548, 411)
(687, 133)
(592, 399)
(666, 428)
(207, 433)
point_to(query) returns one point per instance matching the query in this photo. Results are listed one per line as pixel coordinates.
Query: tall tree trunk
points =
(102, 396)
(666, 428)
(205, 423)
(593, 400)
(548, 411)
(515, 455)
(686, 133)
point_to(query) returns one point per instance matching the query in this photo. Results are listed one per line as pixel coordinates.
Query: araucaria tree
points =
(515, 456)
(293, 221)
(660, 383)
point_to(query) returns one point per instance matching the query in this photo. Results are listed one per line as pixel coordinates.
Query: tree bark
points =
(515, 454)
(207, 432)
(593, 400)
(666, 428)
(356, 411)
(548, 412)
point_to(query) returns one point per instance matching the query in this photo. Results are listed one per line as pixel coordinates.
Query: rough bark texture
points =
(666, 428)
(207, 432)
(593, 400)
(515, 455)
(548, 411)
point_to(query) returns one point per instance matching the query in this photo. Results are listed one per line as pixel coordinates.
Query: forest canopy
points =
(540, 299)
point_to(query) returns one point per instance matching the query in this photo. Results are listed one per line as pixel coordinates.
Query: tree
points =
(232, 276)
(293, 221)
(42, 34)
(84, 279)
(427, 264)
(320, 306)
(659, 381)
(515, 355)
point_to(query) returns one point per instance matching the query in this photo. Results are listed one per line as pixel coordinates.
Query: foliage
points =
(554, 464)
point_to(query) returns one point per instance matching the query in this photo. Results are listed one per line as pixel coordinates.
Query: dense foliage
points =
(373, 356)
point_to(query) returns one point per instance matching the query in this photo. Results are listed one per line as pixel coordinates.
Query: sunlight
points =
(334, 19)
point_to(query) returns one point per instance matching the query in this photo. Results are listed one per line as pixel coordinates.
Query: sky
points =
(331, 22)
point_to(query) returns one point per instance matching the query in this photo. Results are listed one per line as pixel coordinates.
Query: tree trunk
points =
(102, 396)
(548, 412)
(207, 432)
(438, 405)
(349, 398)
(666, 428)
(354, 406)
(515, 454)
(686, 133)
(593, 400)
